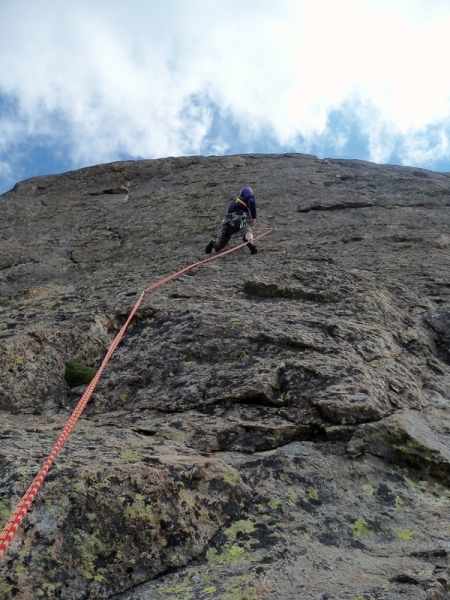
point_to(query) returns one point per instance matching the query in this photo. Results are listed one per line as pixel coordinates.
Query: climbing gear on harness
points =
(233, 222)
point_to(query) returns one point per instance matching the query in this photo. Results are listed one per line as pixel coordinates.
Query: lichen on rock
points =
(271, 426)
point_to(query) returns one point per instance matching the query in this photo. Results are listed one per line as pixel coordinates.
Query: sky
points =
(93, 81)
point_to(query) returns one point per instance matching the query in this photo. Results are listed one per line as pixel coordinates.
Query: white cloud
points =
(122, 75)
(422, 147)
(139, 78)
(5, 170)
(352, 48)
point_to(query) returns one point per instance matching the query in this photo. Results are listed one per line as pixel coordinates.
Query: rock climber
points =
(241, 218)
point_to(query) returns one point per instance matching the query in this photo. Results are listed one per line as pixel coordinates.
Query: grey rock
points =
(272, 426)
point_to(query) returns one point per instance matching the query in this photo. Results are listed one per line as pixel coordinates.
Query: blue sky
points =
(90, 81)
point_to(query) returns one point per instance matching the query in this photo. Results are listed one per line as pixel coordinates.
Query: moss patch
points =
(77, 374)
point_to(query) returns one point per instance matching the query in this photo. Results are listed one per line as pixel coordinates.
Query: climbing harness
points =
(232, 223)
(18, 515)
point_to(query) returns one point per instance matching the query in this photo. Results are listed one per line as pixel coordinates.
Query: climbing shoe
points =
(209, 247)
(253, 249)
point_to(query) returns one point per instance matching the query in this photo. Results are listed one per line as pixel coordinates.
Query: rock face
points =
(272, 426)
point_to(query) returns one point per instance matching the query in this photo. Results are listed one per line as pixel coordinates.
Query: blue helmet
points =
(246, 191)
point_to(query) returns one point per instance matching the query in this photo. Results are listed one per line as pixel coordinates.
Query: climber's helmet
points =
(245, 191)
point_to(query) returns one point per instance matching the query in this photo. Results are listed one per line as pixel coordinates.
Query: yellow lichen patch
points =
(404, 534)
(181, 591)
(234, 555)
(19, 570)
(230, 478)
(410, 483)
(49, 590)
(210, 590)
(240, 527)
(359, 528)
(313, 494)
(240, 594)
(5, 588)
(130, 456)
(274, 503)
(369, 490)
(140, 510)
(413, 444)
(293, 498)
(185, 497)
(398, 502)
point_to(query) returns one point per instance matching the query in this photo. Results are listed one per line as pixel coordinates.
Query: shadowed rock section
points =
(272, 426)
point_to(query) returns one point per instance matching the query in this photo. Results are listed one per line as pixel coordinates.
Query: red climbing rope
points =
(18, 515)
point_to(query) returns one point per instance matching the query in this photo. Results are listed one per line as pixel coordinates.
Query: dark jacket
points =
(249, 206)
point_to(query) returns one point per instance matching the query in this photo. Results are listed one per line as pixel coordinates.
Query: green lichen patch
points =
(77, 374)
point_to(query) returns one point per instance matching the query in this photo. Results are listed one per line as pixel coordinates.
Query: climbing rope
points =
(18, 515)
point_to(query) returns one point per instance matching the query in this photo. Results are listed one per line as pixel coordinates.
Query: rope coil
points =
(18, 515)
